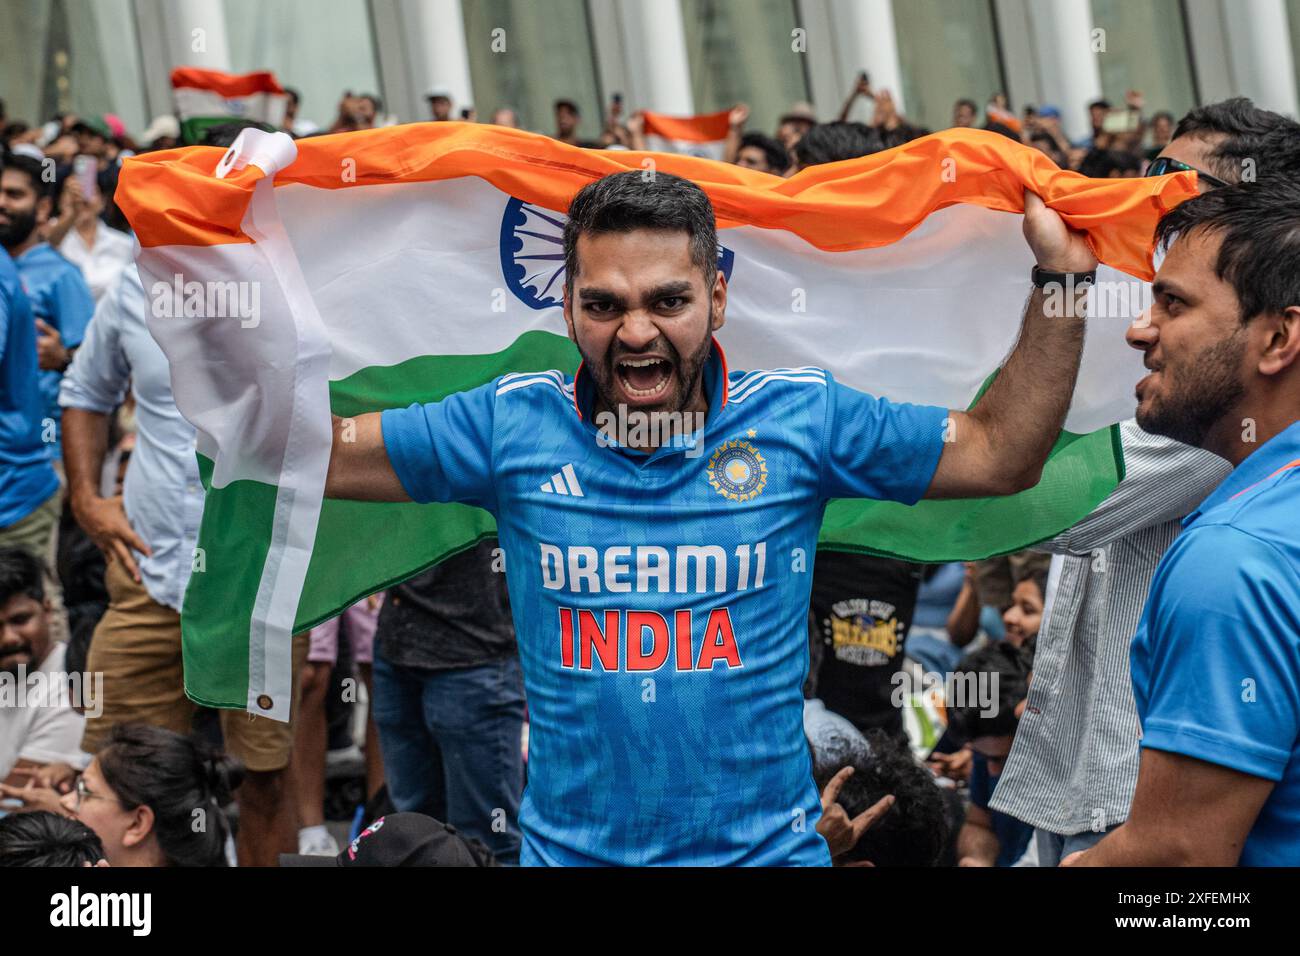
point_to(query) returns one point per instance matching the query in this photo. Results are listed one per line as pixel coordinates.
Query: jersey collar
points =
(1280, 453)
(35, 252)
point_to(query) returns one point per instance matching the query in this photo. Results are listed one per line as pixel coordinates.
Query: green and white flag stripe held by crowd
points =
(357, 272)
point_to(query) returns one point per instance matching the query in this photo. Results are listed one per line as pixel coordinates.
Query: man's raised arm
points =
(359, 466)
(999, 446)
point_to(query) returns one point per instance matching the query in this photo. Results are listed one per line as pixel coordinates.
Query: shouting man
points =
(660, 582)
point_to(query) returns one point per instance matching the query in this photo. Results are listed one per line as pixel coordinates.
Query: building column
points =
(167, 39)
(1259, 48)
(195, 33)
(865, 39)
(419, 46)
(433, 33)
(1068, 73)
(654, 52)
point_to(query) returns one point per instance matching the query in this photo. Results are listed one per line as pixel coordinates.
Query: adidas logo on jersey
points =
(563, 482)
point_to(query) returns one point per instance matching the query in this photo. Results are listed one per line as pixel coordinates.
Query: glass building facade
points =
(948, 50)
(320, 49)
(526, 55)
(744, 51)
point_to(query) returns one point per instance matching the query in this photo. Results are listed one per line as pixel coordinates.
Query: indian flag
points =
(361, 271)
(704, 136)
(207, 97)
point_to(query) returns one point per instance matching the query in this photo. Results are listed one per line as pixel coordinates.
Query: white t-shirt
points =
(100, 266)
(45, 729)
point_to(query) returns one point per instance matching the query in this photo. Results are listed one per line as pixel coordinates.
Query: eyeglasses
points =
(85, 793)
(1163, 164)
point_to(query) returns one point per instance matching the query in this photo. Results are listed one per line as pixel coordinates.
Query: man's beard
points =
(1192, 404)
(7, 652)
(19, 228)
(689, 372)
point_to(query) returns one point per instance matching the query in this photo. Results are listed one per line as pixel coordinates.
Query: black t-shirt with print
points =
(860, 614)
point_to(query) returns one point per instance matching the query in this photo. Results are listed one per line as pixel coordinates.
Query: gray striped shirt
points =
(1074, 764)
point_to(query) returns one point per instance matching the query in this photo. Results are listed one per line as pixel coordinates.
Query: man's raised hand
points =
(1056, 247)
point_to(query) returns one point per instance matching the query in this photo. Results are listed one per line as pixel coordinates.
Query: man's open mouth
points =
(644, 378)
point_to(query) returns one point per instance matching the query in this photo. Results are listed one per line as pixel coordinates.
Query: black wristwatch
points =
(1077, 280)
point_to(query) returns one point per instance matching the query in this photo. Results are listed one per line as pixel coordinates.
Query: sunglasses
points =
(1163, 164)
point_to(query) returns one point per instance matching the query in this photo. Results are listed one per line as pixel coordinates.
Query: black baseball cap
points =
(403, 839)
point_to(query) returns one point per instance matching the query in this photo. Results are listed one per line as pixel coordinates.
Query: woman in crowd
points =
(154, 798)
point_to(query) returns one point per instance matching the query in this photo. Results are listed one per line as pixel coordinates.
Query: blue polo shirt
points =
(59, 296)
(26, 476)
(1216, 659)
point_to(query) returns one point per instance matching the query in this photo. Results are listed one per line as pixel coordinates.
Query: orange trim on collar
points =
(576, 407)
(1293, 464)
(726, 384)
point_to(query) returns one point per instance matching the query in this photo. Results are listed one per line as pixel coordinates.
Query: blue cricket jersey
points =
(59, 296)
(1216, 658)
(661, 601)
(26, 476)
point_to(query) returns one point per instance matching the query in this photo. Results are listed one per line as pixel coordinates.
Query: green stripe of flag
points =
(362, 547)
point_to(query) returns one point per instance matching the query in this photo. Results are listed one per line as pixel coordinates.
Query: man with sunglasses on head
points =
(1073, 767)
(1227, 142)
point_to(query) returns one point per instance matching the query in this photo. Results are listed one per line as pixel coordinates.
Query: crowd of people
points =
(418, 691)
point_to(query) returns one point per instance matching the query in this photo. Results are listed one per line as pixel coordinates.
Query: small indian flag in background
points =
(207, 97)
(704, 136)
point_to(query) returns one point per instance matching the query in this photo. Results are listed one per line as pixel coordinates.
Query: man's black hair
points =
(34, 170)
(8, 131)
(1046, 139)
(1099, 104)
(915, 830)
(293, 94)
(966, 102)
(1259, 228)
(832, 142)
(568, 104)
(1002, 129)
(223, 134)
(622, 202)
(42, 838)
(21, 572)
(1276, 154)
(968, 718)
(1100, 163)
(774, 152)
(1163, 114)
(1250, 133)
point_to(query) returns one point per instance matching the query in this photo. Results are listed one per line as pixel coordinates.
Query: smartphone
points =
(464, 113)
(864, 77)
(617, 99)
(1121, 121)
(86, 169)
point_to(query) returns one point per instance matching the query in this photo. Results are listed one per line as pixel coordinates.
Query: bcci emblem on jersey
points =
(737, 471)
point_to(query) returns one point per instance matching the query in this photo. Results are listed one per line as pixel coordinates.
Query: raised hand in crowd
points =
(839, 831)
